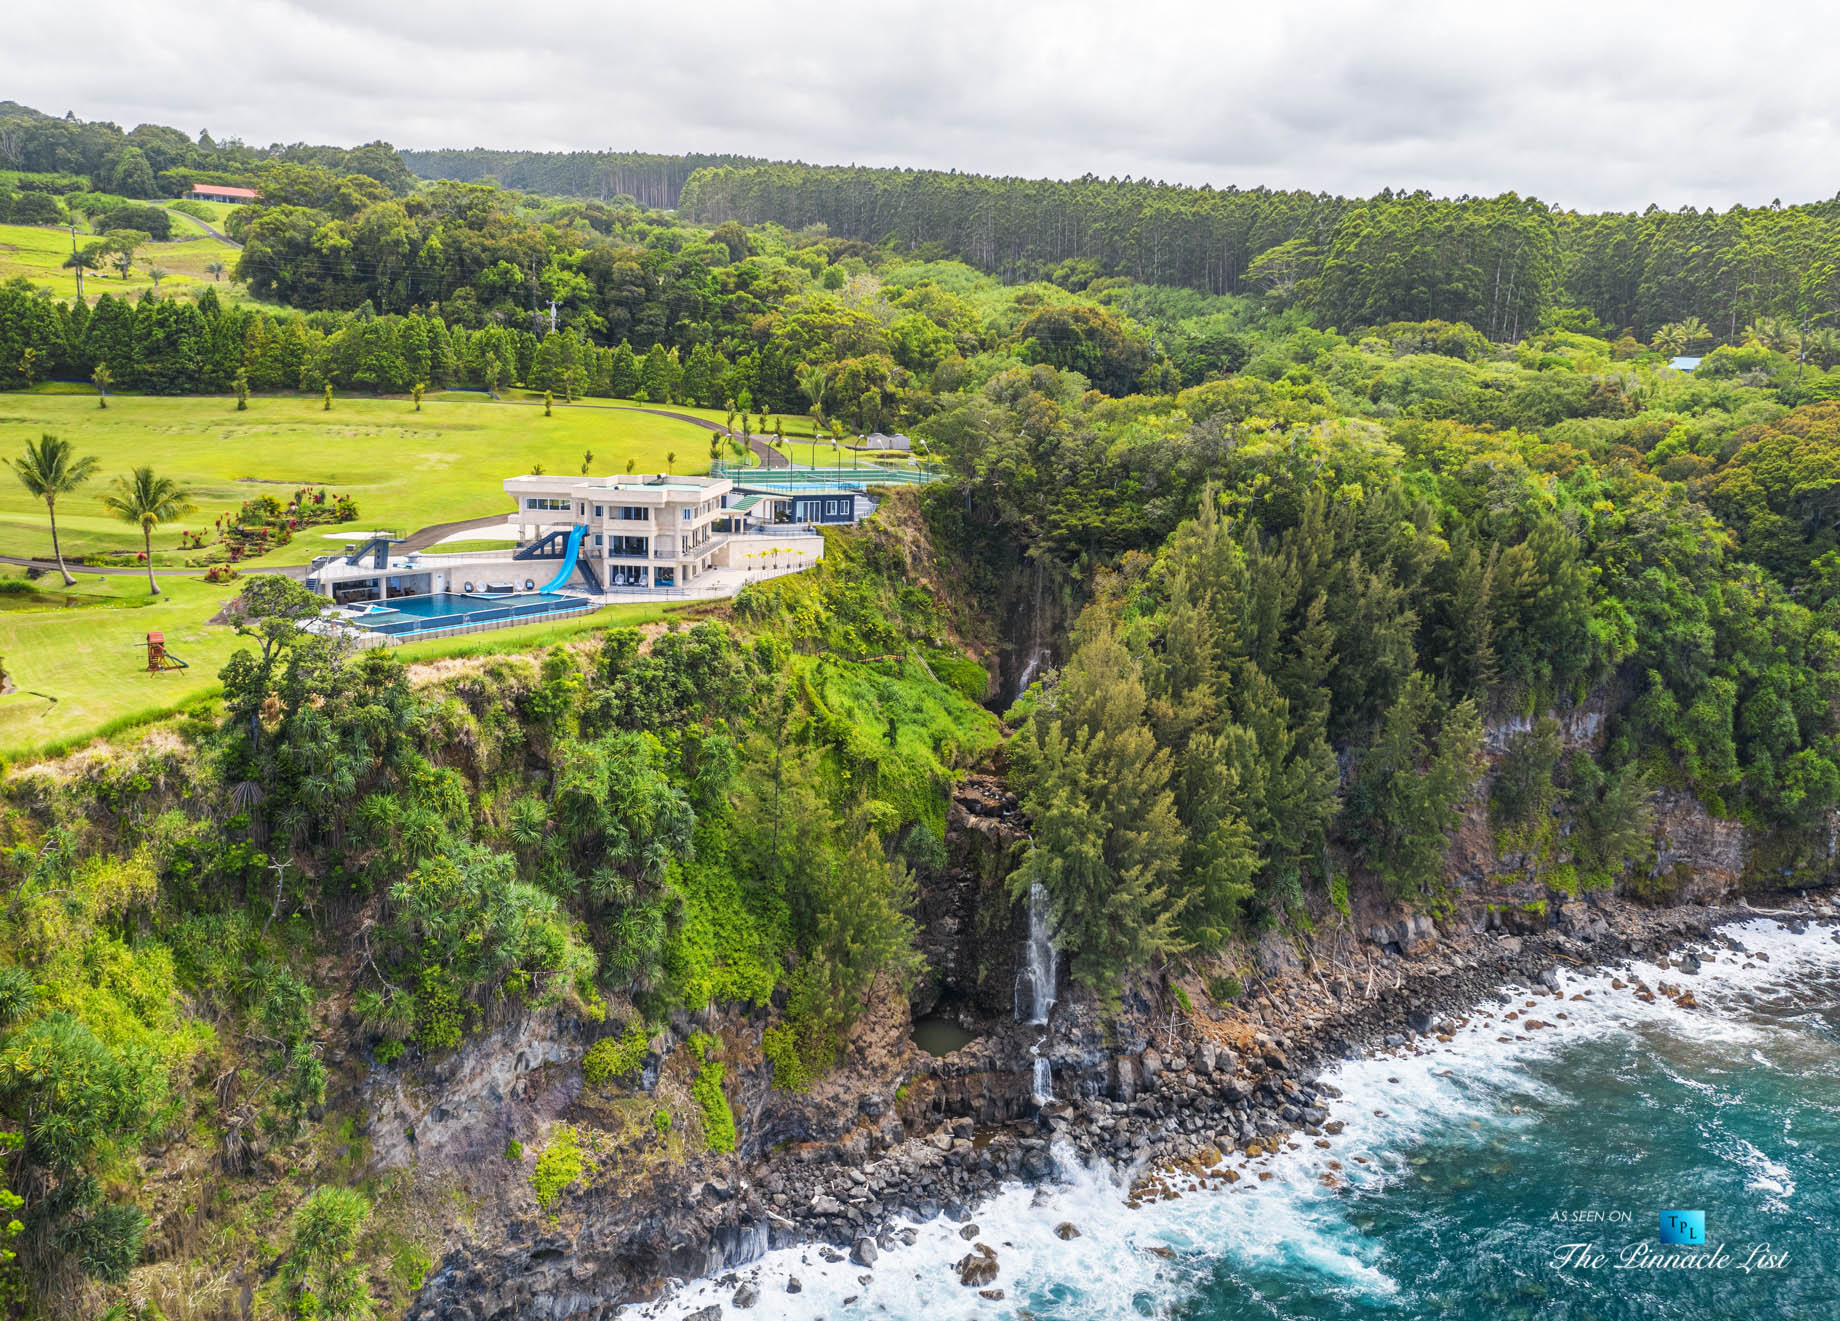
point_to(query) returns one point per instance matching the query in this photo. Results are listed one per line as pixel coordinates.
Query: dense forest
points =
(1334, 516)
(1500, 264)
(650, 179)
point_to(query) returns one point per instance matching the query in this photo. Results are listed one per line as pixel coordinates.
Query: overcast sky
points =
(1611, 104)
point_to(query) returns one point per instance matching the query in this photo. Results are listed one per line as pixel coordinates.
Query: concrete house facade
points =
(641, 531)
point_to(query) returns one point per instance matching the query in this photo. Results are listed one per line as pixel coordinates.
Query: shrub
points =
(1224, 990)
(614, 1057)
(780, 1046)
(559, 1165)
(718, 1119)
(514, 1152)
(321, 1279)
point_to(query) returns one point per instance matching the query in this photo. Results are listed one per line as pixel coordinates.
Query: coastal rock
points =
(1066, 1230)
(745, 1297)
(978, 1267)
(863, 1252)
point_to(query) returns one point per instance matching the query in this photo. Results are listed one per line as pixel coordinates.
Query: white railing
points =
(463, 557)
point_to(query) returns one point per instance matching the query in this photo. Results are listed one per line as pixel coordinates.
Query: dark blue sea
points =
(1485, 1179)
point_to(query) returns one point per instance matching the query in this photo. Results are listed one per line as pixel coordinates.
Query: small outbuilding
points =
(1683, 364)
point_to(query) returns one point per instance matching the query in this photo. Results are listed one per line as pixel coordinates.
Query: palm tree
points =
(811, 381)
(215, 269)
(587, 461)
(49, 469)
(79, 261)
(102, 378)
(156, 273)
(670, 461)
(1823, 346)
(1693, 330)
(141, 497)
(1669, 339)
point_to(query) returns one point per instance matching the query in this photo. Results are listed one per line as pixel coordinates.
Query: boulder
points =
(978, 1267)
(863, 1252)
(1066, 1230)
(746, 1296)
(794, 1284)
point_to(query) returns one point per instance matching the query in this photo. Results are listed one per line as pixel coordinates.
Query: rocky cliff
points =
(896, 1130)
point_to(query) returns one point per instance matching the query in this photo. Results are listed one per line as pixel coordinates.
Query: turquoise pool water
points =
(419, 614)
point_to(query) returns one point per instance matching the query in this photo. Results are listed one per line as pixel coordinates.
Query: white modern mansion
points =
(596, 535)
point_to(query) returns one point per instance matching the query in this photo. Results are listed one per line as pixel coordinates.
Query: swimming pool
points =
(443, 611)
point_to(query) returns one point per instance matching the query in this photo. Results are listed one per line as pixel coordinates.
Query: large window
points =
(546, 502)
(635, 513)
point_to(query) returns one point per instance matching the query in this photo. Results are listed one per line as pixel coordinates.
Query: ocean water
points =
(1462, 1179)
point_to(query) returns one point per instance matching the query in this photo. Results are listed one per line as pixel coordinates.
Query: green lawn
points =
(405, 469)
(80, 670)
(220, 212)
(38, 251)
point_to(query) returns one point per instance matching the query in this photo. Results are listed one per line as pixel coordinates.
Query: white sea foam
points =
(1142, 1261)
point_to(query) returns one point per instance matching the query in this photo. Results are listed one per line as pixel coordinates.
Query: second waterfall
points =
(1035, 979)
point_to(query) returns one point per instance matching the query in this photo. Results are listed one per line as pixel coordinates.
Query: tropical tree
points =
(670, 461)
(121, 245)
(80, 260)
(812, 381)
(147, 499)
(102, 378)
(156, 273)
(215, 269)
(48, 469)
(1822, 345)
(1670, 339)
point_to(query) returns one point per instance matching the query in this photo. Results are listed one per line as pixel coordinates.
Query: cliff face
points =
(894, 1128)
(970, 931)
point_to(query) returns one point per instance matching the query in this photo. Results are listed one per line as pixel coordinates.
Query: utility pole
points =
(552, 316)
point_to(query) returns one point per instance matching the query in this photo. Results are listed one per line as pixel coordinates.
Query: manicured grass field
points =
(405, 469)
(37, 252)
(80, 671)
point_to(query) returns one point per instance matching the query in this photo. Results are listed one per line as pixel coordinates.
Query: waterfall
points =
(1030, 667)
(1044, 1081)
(1035, 980)
(1038, 650)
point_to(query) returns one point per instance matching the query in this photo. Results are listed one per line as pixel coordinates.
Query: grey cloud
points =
(1589, 105)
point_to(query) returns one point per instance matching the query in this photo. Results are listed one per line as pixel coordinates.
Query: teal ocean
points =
(1479, 1179)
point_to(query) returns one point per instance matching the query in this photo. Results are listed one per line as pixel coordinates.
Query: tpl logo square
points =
(1688, 1227)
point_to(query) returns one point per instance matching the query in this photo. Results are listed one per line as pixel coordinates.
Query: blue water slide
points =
(579, 531)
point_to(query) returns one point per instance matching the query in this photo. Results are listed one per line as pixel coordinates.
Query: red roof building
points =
(217, 192)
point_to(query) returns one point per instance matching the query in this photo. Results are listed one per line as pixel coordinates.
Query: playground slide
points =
(555, 584)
